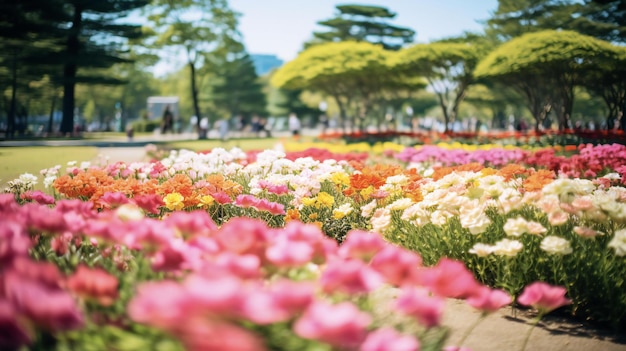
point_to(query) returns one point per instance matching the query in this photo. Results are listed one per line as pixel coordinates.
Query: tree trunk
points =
(69, 72)
(194, 97)
(51, 117)
(13, 103)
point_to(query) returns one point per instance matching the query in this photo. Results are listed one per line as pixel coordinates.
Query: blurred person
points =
(294, 125)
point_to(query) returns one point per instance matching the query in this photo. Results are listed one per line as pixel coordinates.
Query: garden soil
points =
(503, 330)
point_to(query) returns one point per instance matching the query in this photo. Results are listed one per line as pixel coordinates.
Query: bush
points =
(148, 126)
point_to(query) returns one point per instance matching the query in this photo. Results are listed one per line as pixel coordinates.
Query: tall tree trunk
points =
(51, 117)
(13, 103)
(69, 72)
(194, 97)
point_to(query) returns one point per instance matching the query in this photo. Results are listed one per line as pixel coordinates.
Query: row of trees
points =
(94, 55)
(519, 58)
(93, 51)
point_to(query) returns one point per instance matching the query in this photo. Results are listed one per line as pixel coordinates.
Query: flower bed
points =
(224, 252)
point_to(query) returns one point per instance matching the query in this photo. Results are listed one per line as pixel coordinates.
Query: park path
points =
(503, 330)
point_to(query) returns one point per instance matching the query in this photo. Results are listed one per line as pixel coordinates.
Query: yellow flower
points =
(325, 199)
(367, 192)
(174, 201)
(206, 201)
(307, 201)
(339, 178)
(342, 211)
(313, 216)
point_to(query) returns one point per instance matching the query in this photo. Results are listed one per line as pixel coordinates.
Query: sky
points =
(280, 27)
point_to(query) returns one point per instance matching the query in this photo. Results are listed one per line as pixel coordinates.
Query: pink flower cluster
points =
(590, 162)
(246, 200)
(444, 157)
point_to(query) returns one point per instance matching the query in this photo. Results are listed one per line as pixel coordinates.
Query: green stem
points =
(530, 330)
(471, 328)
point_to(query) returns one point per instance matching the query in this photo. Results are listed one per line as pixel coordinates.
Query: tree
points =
(604, 19)
(27, 34)
(237, 89)
(353, 74)
(514, 18)
(447, 67)
(198, 28)
(364, 23)
(94, 38)
(545, 67)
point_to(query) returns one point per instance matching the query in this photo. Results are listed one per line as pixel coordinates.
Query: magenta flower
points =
(388, 339)
(243, 236)
(449, 278)
(350, 276)
(425, 308)
(283, 252)
(362, 245)
(12, 333)
(201, 335)
(38, 196)
(113, 200)
(96, 284)
(489, 300)
(342, 325)
(398, 266)
(192, 223)
(544, 297)
(149, 202)
(161, 304)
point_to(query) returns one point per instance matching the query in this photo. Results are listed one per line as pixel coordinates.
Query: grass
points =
(32, 159)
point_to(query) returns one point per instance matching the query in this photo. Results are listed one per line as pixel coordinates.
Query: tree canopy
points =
(546, 66)
(364, 23)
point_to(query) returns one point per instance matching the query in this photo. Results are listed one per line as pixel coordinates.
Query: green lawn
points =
(244, 144)
(32, 159)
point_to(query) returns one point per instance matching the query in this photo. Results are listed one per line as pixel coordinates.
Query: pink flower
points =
(489, 300)
(149, 202)
(95, 284)
(243, 236)
(221, 198)
(449, 278)
(160, 304)
(342, 325)
(350, 276)
(13, 334)
(38, 196)
(323, 247)
(202, 335)
(284, 252)
(388, 339)
(361, 245)
(49, 308)
(192, 223)
(246, 200)
(242, 266)
(398, 266)
(112, 200)
(544, 297)
(425, 308)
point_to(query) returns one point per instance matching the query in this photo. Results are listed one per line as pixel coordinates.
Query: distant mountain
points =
(264, 63)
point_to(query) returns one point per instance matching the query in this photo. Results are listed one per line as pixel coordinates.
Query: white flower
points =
(367, 210)
(416, 214)
(342, 210)
(400, 204)
(28, 179)
(612, 176)
(474, 218)
(556, 245)
(128, 212)
(618, 243)
(381, 220)
(506, 247)
(481, 250)
(515, 226)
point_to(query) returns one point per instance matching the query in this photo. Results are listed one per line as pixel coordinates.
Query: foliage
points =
(448, 68)
(363, 23)
(545, 67)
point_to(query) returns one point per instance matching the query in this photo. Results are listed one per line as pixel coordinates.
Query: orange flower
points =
(413, 192)
(292, 215)
(509, 171)
(536, 181)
